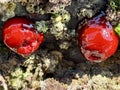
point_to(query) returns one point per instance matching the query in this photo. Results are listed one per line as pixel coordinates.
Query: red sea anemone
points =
(20, 36)
(97, 40)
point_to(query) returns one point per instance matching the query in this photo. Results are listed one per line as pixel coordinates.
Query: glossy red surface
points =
(97, 40)
(20, 36)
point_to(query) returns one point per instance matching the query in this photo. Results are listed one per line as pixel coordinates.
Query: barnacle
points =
(41, 26)
(50, 61)
(115, 4)
(113, 16)
(59, 18)
(7, 10)
(51, 84)
(49, 6)
(33, 6)
(86, 12)
(20, 75)
(31, 73)
(58, 27)
(58, 30)
(96, 82)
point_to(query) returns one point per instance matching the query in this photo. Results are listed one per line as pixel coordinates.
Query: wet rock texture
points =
(58, 63)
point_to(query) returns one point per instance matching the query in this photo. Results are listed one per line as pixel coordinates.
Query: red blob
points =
(97, 40)
(20, 36)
